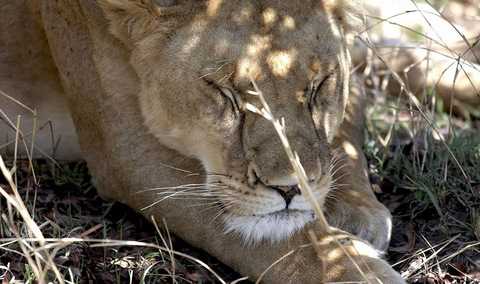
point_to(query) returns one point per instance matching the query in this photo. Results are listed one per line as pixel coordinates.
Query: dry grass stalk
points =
(101, 243)
(293, 157)
(43, 261)
(325, 229)
(39, 251)
(44, 249)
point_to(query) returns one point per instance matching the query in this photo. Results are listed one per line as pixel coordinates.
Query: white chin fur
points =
(273, 227)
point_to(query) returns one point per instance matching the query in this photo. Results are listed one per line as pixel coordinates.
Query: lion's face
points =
(196, 61)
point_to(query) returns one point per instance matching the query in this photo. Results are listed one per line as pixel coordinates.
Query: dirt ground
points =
(425, 248)
(431, 186)
(67, 205)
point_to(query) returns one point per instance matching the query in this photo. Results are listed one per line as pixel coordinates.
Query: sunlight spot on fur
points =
(326, 123)
(213, 7)
(259, 44)
(191, 44)
(269, 17)
(334, 254)
(364, 249)
(350, 150)
(289, 23)
(248, 69)
(280, 62)
(300, 95)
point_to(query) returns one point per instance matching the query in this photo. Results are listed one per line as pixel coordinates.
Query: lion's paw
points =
(372, 223)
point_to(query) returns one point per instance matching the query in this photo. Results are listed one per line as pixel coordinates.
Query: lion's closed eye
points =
(231, 103)
(316, 87)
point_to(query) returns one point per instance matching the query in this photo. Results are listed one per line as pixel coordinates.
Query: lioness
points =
(157, 91)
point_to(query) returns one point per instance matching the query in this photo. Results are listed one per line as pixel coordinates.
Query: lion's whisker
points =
(340, 177)
(193, 194)
(204, 192)
(337, 159)
(208, 204)
(208, 175)
(338, 168)
(336, 172)
(193, 191)
(190, 173)
(221, 205)
(192, 197)
(222, 210)
(186, 187)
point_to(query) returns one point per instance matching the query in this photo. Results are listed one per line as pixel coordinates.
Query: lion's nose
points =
(287, 192)
(286, 186)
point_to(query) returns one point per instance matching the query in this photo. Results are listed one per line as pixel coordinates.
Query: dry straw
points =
(40, 251)
(324, 228)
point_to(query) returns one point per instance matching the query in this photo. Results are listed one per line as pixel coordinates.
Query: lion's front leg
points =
(351, 205)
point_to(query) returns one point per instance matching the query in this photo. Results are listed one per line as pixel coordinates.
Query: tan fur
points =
(153, 83)
(28, 75)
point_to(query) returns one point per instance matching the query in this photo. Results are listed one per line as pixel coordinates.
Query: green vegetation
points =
(429, 177)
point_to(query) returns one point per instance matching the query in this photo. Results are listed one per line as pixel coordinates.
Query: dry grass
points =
(51, 219)
(324, 228)
(74, 236)
(423, 164)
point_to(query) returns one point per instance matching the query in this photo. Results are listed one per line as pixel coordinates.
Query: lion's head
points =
(196, 60)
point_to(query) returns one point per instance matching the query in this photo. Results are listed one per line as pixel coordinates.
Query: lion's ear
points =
(133, 20)
(129, 20)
